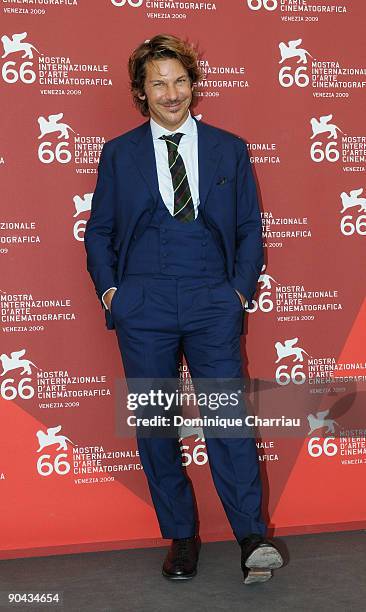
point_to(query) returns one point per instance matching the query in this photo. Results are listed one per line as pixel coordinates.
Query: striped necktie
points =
(183, 203)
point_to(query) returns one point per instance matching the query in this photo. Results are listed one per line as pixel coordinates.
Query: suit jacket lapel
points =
(144, 156)
(209, 155)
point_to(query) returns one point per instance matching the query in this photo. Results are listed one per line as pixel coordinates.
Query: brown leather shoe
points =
(182, 557)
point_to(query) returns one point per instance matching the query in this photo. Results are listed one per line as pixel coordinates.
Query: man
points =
(174, 249)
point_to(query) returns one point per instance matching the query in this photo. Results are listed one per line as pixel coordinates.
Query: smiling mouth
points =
(173, 105)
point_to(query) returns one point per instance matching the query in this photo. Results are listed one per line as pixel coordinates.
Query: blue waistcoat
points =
(170, 247)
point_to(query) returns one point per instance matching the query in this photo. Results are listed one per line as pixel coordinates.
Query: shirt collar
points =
(188, 128)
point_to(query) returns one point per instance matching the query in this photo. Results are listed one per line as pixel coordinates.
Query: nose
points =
(172, 92)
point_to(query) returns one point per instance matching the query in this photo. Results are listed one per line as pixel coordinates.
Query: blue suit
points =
(127, 192)
(175, 293)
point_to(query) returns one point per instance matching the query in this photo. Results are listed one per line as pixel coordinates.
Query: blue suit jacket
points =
(127, 192)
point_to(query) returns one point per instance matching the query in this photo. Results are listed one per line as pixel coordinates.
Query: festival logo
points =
(291, 353)
(82, 204)
(267, 5)
(51, 437)
(319, 421)
(63, 389)
(277, 231)
(191, 438)
(295, 11)
(288, 76)
(17, 233)
(51, 124)
(16, 376)
(53, 389)
(352, 446)
(14, 69)
(348, 445)
(15, 362)
(332, 144)
(263, 153)
(24, 312)
(323, 126)
(267, 450)
(87, 464)
(132, 3)
(328, 77)
(293, 302)
(354, 205)
(98, 464)
(17, 44)
(56, 75)
(322, 443)
(217, 79)
(47, 151)
(293, 50)
(326, 149)
(322, 373)
(53, 462)
(264, 301)
(44, 6)
(172, 9)
(63, 145)
(192, 445)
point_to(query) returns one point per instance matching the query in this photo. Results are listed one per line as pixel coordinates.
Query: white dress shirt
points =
(188, 149)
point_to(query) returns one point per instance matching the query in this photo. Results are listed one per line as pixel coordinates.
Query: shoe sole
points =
(264, 557)
(179, 576)
(257, 575)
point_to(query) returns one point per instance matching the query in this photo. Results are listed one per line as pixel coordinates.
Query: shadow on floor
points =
(325, 572)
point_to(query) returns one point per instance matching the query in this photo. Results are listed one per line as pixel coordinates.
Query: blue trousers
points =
(156, 318)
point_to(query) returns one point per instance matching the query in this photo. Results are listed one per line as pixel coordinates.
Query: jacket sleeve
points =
(249, 249)
(100, 228)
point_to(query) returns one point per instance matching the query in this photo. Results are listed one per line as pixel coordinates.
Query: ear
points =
(141, 96)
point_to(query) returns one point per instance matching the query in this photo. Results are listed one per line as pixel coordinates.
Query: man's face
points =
(168, 91)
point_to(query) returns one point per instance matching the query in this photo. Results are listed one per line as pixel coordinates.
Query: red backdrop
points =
(288, 77)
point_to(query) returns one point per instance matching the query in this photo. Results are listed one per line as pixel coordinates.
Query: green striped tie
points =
(183, 203)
